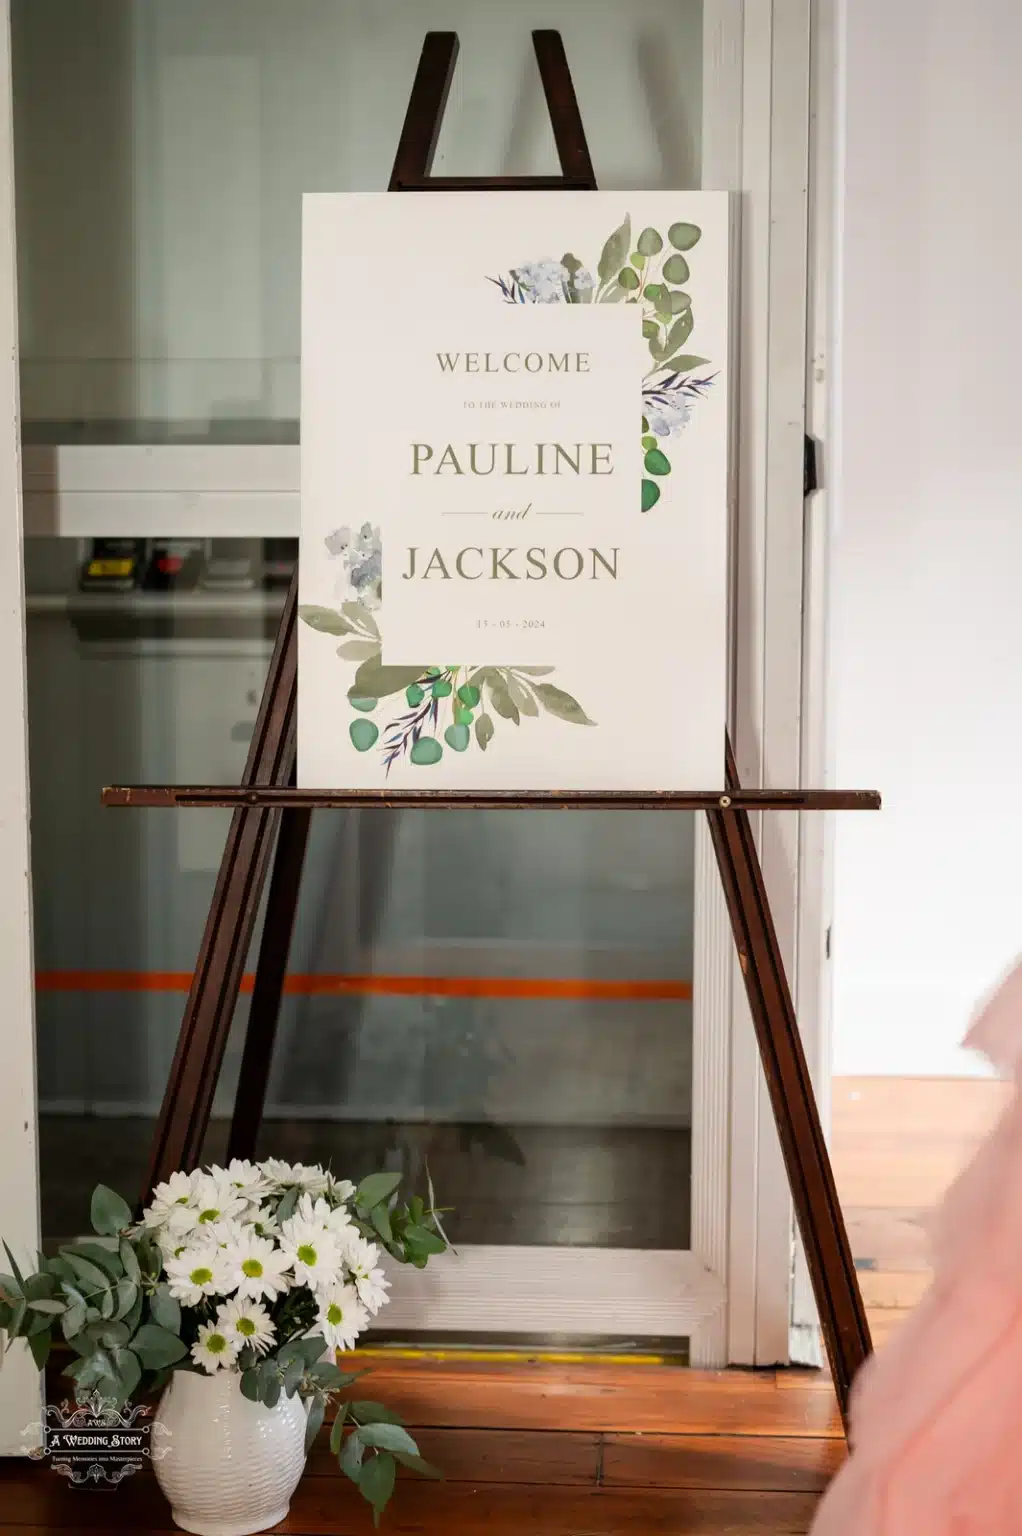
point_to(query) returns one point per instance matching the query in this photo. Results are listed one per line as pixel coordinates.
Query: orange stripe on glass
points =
(394, 986)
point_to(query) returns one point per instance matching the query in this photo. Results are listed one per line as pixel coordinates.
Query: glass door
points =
(535, 1004)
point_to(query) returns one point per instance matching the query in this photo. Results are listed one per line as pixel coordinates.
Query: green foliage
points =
(650, 494)
(426, 751)
(684, 236)
(364, 734)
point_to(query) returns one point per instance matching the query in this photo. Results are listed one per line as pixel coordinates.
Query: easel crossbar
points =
(233, 795)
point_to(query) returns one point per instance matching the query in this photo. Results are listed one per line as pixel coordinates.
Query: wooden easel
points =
(266, 806)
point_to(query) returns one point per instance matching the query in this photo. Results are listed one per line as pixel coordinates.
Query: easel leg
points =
(271, 969)
(810, 1176)
(206, 1023)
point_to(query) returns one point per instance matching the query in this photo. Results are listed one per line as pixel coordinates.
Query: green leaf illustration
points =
(359, 650)
(650, 494)
(457, 737)
(373, 681)
(521, 697)
(325, 620)
(441, 689)
(685, 362)
(364, 734)
(649, 442)
(359, 614)
(676, 269)
(650, 242)
(501, 699)
(684, 236)
(679, 333)
(426, 751)
(365, 705)
(657, 463)
(469, 695)
(615, 252)
(556, 702)
(484, 731)
(628, 279)
(663, 303)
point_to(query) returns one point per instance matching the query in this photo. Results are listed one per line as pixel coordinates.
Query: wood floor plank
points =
(595, 1399)
(481, 1456)
(322, 1507)
(770, 1464)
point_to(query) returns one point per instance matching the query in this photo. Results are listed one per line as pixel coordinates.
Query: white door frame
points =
(736, 1281)
(19, 1184)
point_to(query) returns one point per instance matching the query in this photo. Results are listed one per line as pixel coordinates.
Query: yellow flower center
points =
(252, 1268)
(201, 1276)
(216, 1343)
(246, 1326)
(334, 1314)
(307, 1254)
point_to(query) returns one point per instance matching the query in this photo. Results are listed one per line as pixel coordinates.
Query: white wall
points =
(926, 694)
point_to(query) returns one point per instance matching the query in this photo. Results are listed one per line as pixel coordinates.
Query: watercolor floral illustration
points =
(417, 712)
(651, 274)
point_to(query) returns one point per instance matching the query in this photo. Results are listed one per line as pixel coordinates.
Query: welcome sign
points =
(514, 453)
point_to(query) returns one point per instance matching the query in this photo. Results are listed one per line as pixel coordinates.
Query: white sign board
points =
(514, 452)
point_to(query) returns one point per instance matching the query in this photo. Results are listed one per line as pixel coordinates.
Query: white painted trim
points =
(629, 1293)
(813, 989)
(20, 1396)
(768, 640)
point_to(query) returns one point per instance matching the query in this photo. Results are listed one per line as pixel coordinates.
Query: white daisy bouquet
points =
(264, 1269)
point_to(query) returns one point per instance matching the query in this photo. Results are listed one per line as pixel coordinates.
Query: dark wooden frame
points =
(266, 805)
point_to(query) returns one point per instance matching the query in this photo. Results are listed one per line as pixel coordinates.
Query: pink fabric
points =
(936, 1418)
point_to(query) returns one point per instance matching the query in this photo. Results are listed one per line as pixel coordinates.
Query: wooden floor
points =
(897, 1143)
(573, 1450)
(561, 1450)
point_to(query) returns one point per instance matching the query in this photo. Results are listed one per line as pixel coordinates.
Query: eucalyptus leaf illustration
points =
(457, 737)
(685, 362)
(520, 696)
(684, 236)
(484, 731)
(501, 698)
(650, 494)
(359, 650)
(326, 620)
(374, 681)
(615, 251)
(556, 702)
(676, 269)
(359, 614)
(650, 242)
(426, 751)
(364, 734)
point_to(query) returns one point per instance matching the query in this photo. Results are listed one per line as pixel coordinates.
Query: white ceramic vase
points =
(228, 1466)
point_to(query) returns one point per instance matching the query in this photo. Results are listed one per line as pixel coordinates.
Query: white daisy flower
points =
(197, 1272)
(340, 1191)
(216, 1201)
(245, 1177)
(246, 1322)
(342, 1317)
(369, 1281)
(313, 1250)
(213, 1349)
(174, 1195)
(260, 1220)
(287, 1175)
(255, 1267)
